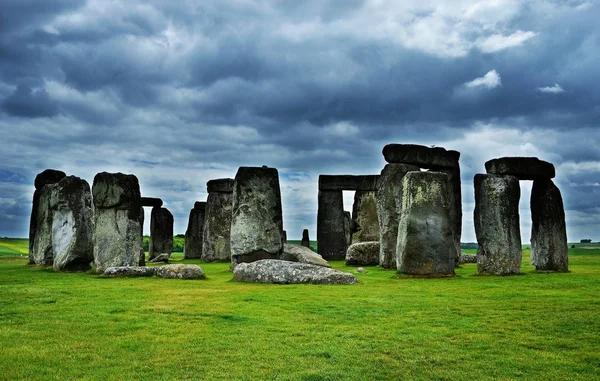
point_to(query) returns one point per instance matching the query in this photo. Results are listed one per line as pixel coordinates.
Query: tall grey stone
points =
(331, 232)
(41, 252)
(161, 232)
(257, 219)
(349, 228)
(389, 202)
(284, 236)
(117, 238)
(72, 225)
(305, 239)
(49, 176)
(142, 261)
(193, 234)
(364, 215)
(497, 227)
(549, 248)
(217, 221)
(425, 230)
(456, 213)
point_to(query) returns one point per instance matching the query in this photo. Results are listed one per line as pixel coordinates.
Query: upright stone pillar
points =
(42, 253)
(425, 230)
(497, 227)
(161, 232)
(142, 252)
(117, 220)
(284, 236)
(364, 215)
(331, 232)
(49, 176)
(257, 218)
(305, 239)
(193, 234)
(456, 214)
(349, 228)
(217, 221)
(72, 225)
(389, 202)
(549, 248)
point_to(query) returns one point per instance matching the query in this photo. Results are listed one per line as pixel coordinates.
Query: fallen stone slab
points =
(348, 182)
(161, 258)
(130, 271)
(295, 253)
(524, 168)
(151, 201)
(467, 258)
(180, 271)
(285, 272)
(363, 254)
(421, 156)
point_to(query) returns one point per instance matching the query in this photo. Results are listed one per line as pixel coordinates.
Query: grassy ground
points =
(14, 246)
(73, 325)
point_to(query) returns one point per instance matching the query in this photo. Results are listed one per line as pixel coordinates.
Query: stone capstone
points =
(364, 215)
(117, 231)
(549, 248)
(285, 272)
(331, 226)
(425, 231)
(524, 168)
(295, 253)
(220, 185)
(72, 225)
(257, 220)
(421, 156)
(151, 201)
(130, 271)
(193, 235)
(217, 227)
(348, 182)
(497, 227)
(161, 233)
(180, 271)
(49, 176)
(363, 254)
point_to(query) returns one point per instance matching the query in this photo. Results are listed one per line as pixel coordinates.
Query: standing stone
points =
(497, 227)
(193, 235)
(456, 213)
(305, 239)
(72, 225)
(142, 252)
(161, 233)
(49, 176)
(426, 231)
(217, 221)
(331, 227)
(257, 219)
(348, 228)
(41, 252)
(364, 215)
(389, 202)
(549, 248)
(117, 227)
(284, 236)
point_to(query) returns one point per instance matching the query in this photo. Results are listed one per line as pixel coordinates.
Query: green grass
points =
(82, 326)
(14, 246)
(313, 244)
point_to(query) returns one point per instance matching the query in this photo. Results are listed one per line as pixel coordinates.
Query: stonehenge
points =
(364, 217)
(257, 218)
(193, 235)
(161, 232)
(363, 254)
(305, 239)
(217, 221)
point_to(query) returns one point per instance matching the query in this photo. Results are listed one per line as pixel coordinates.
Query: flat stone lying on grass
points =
(126, 271)
(363, 254)
(467, 258)
(161, 258)
(285, 272)
(180, 271)
(295, 253)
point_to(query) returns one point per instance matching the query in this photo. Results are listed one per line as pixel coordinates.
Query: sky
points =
(181, 92)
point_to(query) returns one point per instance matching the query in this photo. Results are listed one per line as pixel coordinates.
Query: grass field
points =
(82, 326)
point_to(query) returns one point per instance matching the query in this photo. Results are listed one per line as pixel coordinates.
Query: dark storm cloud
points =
(29, 103)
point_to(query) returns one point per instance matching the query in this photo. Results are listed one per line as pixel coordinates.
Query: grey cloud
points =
(29, 103)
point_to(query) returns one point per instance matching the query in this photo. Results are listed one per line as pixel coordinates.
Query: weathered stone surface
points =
(348, 228)
(284, 236)
(422, 156)
(142, 261)
(49, 176)
(361, 270)
(193, 234)
(41, 252)
(456, 212)
(220, 185)
(364, 215)
(524, 168)
(549, 248)
(467, 258)
(331, 232)
(161, 233)
(497, 227)
(363, 254)
(295, 253)
(180, 271)
(117, 230)
(161, 258)
(285, 272)
(257, 218)
(72, 225)
(217, 227)
(305, 239)
(389, 202)
(348, 182)
(130, 271)
(425, 230)
(151, 201)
